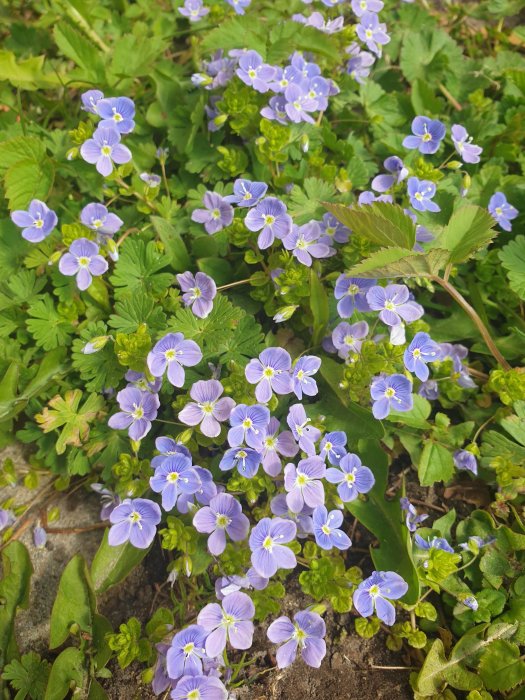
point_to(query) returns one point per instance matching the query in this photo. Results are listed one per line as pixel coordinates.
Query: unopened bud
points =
(454, 165)
(285, 313)
(95, 344)
(305, 143)
(112, 249)
(220, 120)
(54, 258)
(72, 154)
(185, 436)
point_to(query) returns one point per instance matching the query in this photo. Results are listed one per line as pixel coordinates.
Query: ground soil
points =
(354, 669)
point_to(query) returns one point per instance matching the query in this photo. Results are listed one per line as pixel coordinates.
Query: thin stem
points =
(20, 112)
(232, 284)
(460, 299)
(450, 97)
(165, 179)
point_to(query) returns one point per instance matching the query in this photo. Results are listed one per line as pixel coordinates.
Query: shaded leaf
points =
(398, 262)
(380, 222)
(111, 565)
(74, 603)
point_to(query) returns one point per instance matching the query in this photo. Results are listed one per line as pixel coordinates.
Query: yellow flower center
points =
(83, 261)
(326, 529)
(173, 477)
(269, 220)
(106, 150)
(38, 223)
(350, 478)
(247, 423)
(222, 521)
(135, 517)
(390, 393)
(268, 543)
(188, 648)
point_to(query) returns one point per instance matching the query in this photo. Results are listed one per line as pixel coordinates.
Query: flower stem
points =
(460, 299)
(232, 284)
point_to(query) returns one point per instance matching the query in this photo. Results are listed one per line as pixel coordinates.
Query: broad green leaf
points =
(398, 262)
(175, 248)
(436, 464)
(74, 603)
(437, 669)
(501, 667)
(79, 49)
(319, 306)
(21, 148)
(67, 670)
(66, 413)
(101, 628)
(96, 691)
(417, 417)
(219, 269)
(512, 258)
(14, 593)
(341, 413)
(470, 228)
(27, 74)
(384, 519)
(380, 222)
(28, 179)
(234, 34)
(111, 565)
(138, 270)
(306, 202)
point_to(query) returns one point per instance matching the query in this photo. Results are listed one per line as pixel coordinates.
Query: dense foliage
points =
(259, 267)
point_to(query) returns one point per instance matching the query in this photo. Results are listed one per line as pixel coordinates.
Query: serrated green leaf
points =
(74, 603)
(28, 179)
(48, 328)
(512, 258)
(21, 148)
(27, 74)
(138, 270)
(380, 222)
(501, 667)
(469, 229)
(79, 49)
(132, 313)
(234, 34)
(398, 262)
(29, 676)
(306, 202)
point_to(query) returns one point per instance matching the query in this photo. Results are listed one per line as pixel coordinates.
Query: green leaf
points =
(468, 230)
(74, 603)
(138, 270)
(341, 413)
(306, 202)
(501, 667)
(29, 676)
(175, 248)
(133, 312)
(384, 519)
(111, 565)
(319, 306)
(14, 593)
(512, 258)
(417, 417)
(235, 33)
(49, 329)
(437, 669)
(96, 691)
(68, 669)
(21, 148)
(101, 628)
(27, 180)
(27, 74)
(79, 49)
(436, 464)
(66, 412)
(380, 222)
(429, 55)
(397, 262)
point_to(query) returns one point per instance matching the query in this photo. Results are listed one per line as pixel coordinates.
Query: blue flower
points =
(434, 543)
(360, 63)
(376, 592)
(468, 152)
(412, 519)
(270, 218)
(184, 657)
(333, 446)
(252, 71)
(249, 424)
(90, 100)
(117, 113)
(37, 222)
(134, 521)
(174, 477)
(394, 304)
(83, 261)
(421, 193)
(330, 226)
(395, 166)
(239, 5)
(427, 135)
(302, 375)
(351, 477)
(463, 459)
(245, 459)
(216, 215)
(351, 294)
(502, 211)
(104, 149)
(372, 32)
(151, 180)
(96, 217)
(421, 350)
(326, 529)
(194, 10)
(246, 193)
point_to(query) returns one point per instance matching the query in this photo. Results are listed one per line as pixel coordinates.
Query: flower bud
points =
(95, 344)
(220, 120)
(454, 165)
(285, 313)
(72, 154)
(185, 436)
(54, 258)
(305, 143)
(112, 249)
